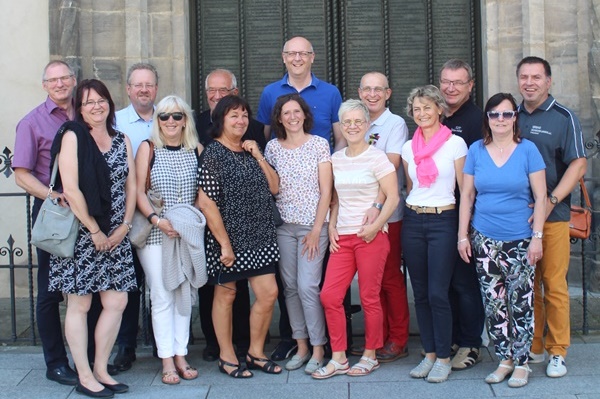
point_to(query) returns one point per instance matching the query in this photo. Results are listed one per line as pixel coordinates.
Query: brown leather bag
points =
(580, 225)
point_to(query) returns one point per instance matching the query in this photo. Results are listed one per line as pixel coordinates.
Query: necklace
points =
(500, 148)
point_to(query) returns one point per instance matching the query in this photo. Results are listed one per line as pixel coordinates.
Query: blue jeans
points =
(429, 242)
(467, 307)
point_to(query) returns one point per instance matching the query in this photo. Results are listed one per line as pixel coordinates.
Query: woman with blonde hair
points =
(173, 167)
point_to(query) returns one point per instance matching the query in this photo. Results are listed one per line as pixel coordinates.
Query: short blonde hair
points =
(174, 103)
(430, 92)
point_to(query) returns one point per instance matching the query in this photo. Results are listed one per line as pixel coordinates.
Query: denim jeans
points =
(429, 242)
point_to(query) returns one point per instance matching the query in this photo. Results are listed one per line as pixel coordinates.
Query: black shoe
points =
(110, 369)
(117, 388)
(63, 375)
(105, 393)
(284, 349)
(124, 358)
(210, 353)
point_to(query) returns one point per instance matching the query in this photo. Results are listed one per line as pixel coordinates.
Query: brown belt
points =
(431, 209)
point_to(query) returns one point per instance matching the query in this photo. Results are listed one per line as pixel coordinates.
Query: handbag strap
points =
(150, 156)
(53, 175)
(584, 191)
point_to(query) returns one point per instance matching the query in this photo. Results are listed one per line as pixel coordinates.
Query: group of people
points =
(294, 204)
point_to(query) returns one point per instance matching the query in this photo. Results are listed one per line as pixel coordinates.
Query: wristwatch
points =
(538, 234)
(553, 199)
(377, 205)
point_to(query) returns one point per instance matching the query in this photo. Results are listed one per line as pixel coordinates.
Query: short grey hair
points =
(352, 105)
(430, 92)
(57, 62)
(224, 71)
(142, 65)
(455, 64)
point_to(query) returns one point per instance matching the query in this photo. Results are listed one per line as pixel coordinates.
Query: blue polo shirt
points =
(323, 98)
(556, 132)
(134, 126)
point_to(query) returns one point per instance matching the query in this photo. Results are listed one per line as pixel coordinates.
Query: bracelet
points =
(150, 217)
(158, 222)
(461, 241)
(95, 232)
(377, 205)
(128, 225)
(262, 159)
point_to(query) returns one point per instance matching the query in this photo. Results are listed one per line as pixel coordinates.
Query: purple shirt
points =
(35, 133)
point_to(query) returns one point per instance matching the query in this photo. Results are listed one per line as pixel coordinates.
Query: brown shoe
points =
(390, 352)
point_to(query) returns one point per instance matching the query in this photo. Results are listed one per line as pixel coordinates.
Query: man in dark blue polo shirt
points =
(556, 132)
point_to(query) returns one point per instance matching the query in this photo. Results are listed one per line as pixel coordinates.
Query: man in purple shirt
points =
(31, 163)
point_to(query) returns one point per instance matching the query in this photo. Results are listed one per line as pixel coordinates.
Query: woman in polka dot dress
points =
(241, 242)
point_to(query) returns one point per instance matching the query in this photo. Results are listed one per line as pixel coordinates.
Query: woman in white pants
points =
(173, 166)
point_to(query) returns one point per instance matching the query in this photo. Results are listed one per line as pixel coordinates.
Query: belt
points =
(431, 209)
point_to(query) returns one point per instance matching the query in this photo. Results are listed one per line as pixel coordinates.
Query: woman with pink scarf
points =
(433, 162)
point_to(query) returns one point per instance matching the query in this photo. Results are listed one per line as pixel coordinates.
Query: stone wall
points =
(103, 38)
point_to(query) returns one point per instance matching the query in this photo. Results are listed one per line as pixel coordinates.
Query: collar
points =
(545, 106)
(462, 109)
(382, 118)
(314, 81)
(51, 105)
(133, 116)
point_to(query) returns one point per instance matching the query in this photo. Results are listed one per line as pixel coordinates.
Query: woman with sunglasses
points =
(97, 176)
(173, 166)
(503, 174)
(236, 184)
(360, 172)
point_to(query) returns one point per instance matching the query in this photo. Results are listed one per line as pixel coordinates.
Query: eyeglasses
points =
(376, 89)
(455, 83)
(164, 116)
(63, 79)
(504, 114)
(349, 122)
(222, 90)
(293, 54)
(141, 86)
(101, 102)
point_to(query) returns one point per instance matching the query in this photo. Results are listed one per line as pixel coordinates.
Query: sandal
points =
(494, 378)
(237, 372)
(365, 366)
(170, 377)
(515, 382)
(269, 367)
(187, 373)
(338, 369)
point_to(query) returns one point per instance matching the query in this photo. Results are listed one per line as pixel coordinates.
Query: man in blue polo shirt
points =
(324, 98)
(556, 132)
(135, 121)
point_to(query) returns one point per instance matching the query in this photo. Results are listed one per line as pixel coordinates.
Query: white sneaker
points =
(535, 358)
(556, 366)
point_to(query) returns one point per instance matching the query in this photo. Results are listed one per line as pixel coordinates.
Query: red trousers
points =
(369, 260)
(394, 301)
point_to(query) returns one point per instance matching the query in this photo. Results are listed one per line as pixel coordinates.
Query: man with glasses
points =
(465, 119)
(218, 84)
(556, 132)
(135, 121)
(323, 98)
(31, 163)
(389, 132)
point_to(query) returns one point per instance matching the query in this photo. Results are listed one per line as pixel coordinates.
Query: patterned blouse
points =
(298, 171)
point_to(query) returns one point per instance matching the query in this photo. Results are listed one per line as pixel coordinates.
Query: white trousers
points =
(171, 330)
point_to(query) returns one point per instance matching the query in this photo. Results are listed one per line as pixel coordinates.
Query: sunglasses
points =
(164, 116)
(504, 114)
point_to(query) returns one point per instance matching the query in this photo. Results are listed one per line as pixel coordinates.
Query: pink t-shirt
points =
(298, 170)
(357, 184)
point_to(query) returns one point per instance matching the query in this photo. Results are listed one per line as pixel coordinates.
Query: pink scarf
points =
(427, 171)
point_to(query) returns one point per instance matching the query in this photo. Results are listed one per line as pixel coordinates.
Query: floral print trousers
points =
(506, 283)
